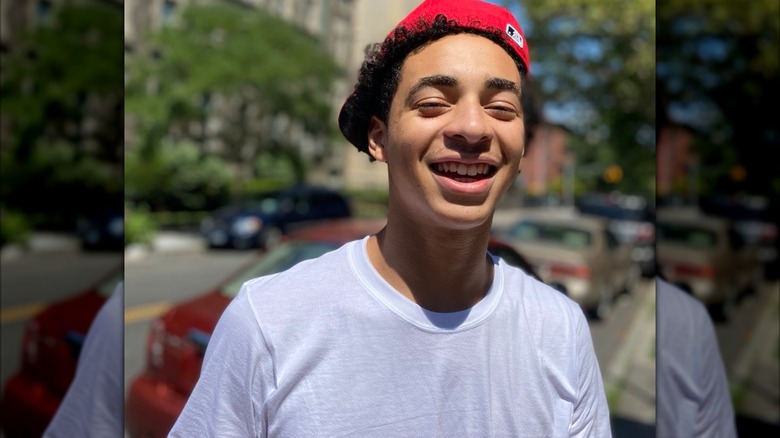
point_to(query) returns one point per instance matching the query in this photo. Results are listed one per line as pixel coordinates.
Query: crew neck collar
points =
(411, 312)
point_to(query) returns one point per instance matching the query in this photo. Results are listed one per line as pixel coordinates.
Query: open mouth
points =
(464, 172)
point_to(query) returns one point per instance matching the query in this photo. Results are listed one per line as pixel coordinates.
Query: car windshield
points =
(279, 259)
(559, 235)
(268, 205)
(687, 235)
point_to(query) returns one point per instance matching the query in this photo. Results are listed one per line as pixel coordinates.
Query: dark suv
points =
(260, 222)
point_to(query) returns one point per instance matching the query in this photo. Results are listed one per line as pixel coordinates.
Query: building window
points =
(43, 11)
(168, 11)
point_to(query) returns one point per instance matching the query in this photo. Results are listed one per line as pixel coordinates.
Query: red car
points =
(178, 339)
(50, 350)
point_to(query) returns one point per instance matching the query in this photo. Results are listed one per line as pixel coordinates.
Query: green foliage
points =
(178, 219)
(256, 187)
(61, 92)
(14, 227)
(593, 67)
(283, 166)
(717, 73)
(140, 226)
(261, 76)
(368, 203)
(178, 176)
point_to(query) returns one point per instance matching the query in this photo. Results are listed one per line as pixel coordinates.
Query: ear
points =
(377, 135)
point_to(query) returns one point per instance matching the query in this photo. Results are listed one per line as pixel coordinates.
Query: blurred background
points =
(183, 166)
(717, 188)
(61, 193)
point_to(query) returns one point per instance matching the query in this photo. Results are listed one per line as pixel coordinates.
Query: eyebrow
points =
(449, 81)
(430, 81)
(503, 84)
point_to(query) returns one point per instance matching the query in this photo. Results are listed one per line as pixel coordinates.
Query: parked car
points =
(104, 231)
(631, 221)
(706, 256)
(578, 255)
(756, 219)
(260, 222)
(177, 340)
(50, 350)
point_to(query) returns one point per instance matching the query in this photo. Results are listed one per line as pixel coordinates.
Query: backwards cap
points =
(470, 14)
(473, 14)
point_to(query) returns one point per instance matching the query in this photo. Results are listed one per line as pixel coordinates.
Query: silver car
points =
(706, 256)
(578, 255)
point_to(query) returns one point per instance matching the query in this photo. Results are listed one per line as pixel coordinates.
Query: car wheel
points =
(633, 277)
(241, 244)
(270, 237)
(724, 311)
(604, 306)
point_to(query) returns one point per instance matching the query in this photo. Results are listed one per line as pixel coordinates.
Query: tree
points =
(593, 67)
(265, 82)
(61, 95)
(718, 73)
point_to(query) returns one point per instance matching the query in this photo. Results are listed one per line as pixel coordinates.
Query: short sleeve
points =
(236, 378)
(715, 414)
(590, 417)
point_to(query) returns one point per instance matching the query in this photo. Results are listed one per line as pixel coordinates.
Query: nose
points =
(469, 124)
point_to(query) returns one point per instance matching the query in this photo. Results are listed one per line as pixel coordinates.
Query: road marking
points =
(16, 313)
(132, 315)
(149, 311)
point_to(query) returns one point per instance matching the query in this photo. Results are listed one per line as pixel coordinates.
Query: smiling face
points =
(454, 137)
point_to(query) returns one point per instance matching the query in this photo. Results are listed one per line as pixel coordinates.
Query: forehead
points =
(460, 55)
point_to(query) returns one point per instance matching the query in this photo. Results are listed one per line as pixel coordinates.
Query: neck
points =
(440, 270)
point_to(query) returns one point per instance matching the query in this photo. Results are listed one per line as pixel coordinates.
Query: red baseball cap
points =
(475, 14)
(469, 14)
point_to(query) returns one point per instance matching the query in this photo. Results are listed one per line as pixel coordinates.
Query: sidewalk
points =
(167, 242)
(630, 379)
(63, 243)
(755, 384)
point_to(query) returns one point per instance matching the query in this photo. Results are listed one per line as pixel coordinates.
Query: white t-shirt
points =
(692, 389)
(329, 349)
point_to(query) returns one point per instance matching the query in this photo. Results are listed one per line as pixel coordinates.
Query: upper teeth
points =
(463, 169)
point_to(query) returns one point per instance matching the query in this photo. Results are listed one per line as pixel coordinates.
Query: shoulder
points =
(673, 299)
(535, 295)
(314, 272)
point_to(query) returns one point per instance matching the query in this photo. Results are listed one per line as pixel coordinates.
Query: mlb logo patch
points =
(515, 35)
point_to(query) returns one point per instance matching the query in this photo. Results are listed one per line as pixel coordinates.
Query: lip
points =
(476, 185)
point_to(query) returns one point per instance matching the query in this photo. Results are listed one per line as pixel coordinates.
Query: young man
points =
(416, 331)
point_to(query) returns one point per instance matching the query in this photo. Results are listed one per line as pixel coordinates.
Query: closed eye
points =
(502, 112)
(431, 108)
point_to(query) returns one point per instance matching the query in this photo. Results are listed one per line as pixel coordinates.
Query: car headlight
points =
(246, 226)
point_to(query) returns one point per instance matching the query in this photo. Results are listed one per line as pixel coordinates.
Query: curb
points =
(166, 242)
(42, 242)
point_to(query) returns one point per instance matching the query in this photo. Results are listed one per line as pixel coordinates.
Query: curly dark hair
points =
(379, 75)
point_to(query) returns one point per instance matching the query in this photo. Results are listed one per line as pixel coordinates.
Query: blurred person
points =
(417, 330)
(93, 405)
(692, 388)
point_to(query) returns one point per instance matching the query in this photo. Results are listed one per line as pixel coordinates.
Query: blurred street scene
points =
(718, 195)
(177, 148)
